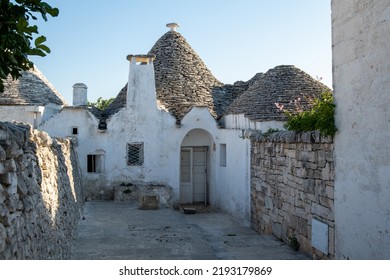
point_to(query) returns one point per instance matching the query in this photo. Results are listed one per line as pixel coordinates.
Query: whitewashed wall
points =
(31, 114)
(239, 121)
(142, 121)
(361, 76)
(232, 193)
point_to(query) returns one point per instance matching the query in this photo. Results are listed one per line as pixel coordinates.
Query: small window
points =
(135, 154)
(95, 163)
(222, 154)
(75, 130)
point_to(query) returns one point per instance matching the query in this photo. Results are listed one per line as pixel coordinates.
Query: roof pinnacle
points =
(173, 26)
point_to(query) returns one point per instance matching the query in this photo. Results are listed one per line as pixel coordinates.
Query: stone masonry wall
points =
(292, 178)
(40, 194)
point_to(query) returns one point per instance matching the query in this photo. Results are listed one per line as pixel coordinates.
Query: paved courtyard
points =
(120, 231)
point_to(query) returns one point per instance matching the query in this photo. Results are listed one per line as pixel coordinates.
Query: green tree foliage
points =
(101, 103)
(17, 35)
(320, 116)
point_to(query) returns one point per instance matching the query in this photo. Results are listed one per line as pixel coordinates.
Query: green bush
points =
(320, 116)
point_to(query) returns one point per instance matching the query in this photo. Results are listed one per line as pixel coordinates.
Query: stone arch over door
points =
(195, 166)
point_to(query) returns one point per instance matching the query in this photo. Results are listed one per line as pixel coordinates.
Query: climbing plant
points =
(319, 116)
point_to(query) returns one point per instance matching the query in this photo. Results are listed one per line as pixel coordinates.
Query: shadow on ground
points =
(119, 231)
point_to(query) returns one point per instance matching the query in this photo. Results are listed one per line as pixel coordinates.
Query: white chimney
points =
(80, 97)
(141, 87)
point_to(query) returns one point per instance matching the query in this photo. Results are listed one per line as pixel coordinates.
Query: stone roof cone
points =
(282, 84)
(32, 88)
(182, 79)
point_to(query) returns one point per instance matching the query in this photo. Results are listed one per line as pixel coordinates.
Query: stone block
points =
(148, 202)
(10, 165)
(322, 212)
(325, 173)
(3, 237)
(309, 186)
(22, 187)
(300, 212)
(276, 229)
(290, 153)
(268, 203)
(329, 192)
(321, 158)
(13, 150)
(3, 170)
(294, 222)
(329, 155)
(3, 154)
(3, 195)
(303, 227)
(304, 244)
(8, 179)
(306, 137)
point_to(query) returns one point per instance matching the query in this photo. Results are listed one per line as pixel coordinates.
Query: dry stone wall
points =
(40, 194)
(292, 179)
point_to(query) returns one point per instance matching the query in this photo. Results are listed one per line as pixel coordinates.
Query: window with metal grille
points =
(135, 154)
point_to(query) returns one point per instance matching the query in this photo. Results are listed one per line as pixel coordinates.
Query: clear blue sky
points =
(90, 39)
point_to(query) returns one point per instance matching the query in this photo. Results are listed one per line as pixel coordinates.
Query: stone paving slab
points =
(120, 231)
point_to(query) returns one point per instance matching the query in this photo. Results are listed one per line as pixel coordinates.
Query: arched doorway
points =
(194, 163)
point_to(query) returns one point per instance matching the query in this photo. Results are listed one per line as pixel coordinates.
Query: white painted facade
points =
(33, 114)
(361, 75)
(142, 121)
(239, 121)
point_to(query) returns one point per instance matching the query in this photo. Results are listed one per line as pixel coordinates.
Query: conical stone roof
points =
(282, 84)
(182, 79)
(32, 88)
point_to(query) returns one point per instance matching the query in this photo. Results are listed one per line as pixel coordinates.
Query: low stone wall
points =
(292, 179)
(40, 194)
(132, 191)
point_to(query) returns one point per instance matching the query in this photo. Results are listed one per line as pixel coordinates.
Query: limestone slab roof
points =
(32, 88)
(282, 84)
(183, 81)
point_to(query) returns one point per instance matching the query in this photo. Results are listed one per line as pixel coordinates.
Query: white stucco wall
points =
(239, 121)
(228, 186)
(32, 114)
(18, 113)
(232, 193)
(361, 75)
(142, 121)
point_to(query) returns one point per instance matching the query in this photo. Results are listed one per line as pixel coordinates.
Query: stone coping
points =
(288, 137)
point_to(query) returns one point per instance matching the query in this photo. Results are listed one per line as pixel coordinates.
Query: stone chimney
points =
(80, 97)
(141, 88)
